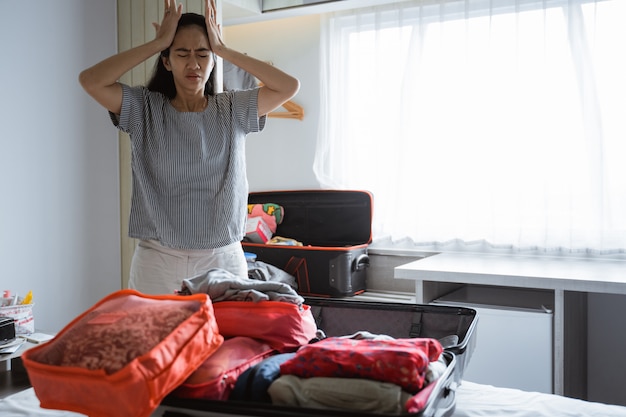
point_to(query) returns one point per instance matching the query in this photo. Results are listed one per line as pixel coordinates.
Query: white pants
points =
(156, 269)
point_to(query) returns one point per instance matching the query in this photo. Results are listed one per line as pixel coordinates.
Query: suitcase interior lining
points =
(411, 321)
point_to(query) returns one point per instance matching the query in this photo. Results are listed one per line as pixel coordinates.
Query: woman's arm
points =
(278, 86)
(101, 80)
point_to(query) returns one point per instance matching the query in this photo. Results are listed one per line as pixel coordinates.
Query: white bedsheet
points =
(472, 400)
(478, 400)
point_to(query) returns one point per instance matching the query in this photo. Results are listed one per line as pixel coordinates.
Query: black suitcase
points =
(335, 229)
(454, 326)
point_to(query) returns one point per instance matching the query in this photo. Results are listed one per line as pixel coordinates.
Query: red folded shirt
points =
(402, 362)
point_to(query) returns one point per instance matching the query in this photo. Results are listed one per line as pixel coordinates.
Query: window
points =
(481, 123)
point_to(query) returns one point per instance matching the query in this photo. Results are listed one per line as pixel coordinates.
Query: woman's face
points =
(190, 59)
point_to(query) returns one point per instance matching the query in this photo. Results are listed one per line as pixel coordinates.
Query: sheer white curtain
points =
(500, 123)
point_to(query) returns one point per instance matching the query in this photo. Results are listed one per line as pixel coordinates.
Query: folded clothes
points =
(222, 285)
(340, 393)
(401, 361)
(252, 385)
(262, 271)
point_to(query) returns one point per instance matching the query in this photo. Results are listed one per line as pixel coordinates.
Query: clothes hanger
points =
(293, 111)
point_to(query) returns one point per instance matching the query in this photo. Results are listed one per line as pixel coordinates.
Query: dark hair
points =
(162, 80)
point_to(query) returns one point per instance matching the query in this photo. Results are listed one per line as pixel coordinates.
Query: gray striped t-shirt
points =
(190, 188)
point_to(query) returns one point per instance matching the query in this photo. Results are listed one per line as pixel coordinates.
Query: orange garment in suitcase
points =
(122, 356)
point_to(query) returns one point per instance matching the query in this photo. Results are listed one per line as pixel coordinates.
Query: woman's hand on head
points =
(213, 29)
(166, 31)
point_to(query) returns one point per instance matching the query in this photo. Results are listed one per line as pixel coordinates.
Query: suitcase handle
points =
(361, 262)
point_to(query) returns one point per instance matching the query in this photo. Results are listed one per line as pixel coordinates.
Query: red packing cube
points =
(216, 377)
(122, 356)
(283, 326)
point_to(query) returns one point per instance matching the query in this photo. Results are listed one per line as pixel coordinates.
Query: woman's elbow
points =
(293, 87)
(85, 80)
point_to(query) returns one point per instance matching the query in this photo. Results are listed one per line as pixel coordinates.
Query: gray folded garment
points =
(262, 271)
(222, 285)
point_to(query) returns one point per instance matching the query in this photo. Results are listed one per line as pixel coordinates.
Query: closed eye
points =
(187, 55)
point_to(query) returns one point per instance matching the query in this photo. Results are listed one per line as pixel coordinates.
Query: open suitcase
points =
(453, 326)
(334, 227)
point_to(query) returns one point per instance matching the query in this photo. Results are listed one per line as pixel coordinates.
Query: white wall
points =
(59, 211)
(281, 157)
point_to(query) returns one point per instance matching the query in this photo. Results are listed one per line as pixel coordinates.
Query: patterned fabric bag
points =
(403, 362)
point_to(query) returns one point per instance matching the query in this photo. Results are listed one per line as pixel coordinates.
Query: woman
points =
(190, 188)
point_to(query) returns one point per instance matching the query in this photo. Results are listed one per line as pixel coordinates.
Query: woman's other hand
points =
(214, 31)
(166, 31)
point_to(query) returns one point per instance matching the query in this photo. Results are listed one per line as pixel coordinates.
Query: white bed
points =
(472, 400)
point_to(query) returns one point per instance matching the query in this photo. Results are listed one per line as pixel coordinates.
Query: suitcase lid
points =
(333, 218)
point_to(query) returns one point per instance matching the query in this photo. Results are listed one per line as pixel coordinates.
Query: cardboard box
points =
(257, 230)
